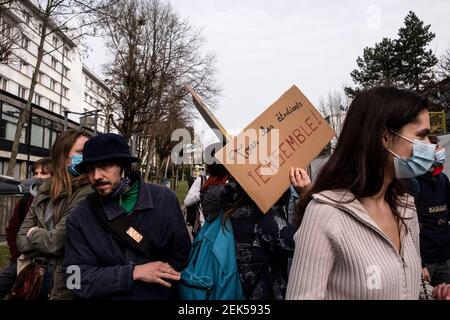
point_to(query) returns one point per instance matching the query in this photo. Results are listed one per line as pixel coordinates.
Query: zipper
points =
(405, 265)
(399, 255)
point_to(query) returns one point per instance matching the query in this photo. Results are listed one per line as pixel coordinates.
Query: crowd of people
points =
(374, 223)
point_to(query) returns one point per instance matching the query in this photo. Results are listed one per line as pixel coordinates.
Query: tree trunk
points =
(25, 113)
(158, 168)
(167, 168)
(147, 167)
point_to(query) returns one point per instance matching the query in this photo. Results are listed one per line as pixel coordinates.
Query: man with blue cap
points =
(128, 240)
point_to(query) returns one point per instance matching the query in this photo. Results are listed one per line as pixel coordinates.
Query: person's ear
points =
(386, 139)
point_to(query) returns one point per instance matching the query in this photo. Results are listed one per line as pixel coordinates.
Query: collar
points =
(346, 201)
(144, 202)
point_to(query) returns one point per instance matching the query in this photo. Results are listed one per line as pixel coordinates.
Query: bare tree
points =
(444, 66)
(163, 143)
(334, 108)
(71, 17)
(155, 55)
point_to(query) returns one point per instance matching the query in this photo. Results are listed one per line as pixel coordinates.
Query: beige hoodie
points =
(340, 253)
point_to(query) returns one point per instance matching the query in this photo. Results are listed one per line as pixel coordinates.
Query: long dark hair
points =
(62, 180)
(358, 161)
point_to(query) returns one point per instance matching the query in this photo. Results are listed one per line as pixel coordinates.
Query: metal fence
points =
(7, 204)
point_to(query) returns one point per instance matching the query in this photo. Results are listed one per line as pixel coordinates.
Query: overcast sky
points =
(264, 47)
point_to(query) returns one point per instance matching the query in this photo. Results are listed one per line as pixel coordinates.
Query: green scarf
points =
(127, 200)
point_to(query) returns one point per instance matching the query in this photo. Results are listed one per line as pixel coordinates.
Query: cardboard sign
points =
(207, 115)
(290, 133)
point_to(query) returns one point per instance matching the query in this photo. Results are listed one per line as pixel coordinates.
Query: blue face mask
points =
(76, 159)
(440, 158)
(420, 163)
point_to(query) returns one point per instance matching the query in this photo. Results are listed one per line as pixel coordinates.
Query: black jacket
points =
(107, 266)
(264, 243)
(432, 197)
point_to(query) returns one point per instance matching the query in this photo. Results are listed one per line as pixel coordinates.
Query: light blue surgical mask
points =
(76, 159)
(420, 163)
(439, 158)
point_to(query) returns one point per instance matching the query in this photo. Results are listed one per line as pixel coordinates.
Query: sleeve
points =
(193, 195)
(314, 254)
(22, 242)
(179, 244)
(93, 279)
(14, 226)
(52, 242)
(277, 234)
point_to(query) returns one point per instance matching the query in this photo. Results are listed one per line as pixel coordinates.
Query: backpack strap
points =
(120, 228)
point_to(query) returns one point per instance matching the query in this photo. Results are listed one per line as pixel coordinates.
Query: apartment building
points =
(67, 93)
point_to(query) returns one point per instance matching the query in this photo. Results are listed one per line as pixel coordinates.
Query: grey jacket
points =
(50, 243)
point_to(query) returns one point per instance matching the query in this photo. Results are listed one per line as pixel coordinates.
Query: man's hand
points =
(300, 180)
(442, 292)
(155, 272)
(426, 275)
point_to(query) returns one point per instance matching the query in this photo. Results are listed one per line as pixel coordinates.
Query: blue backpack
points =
(212, 272)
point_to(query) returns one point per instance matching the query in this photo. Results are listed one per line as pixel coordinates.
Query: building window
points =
(66, 72)
(54, 107)
(65, 92)
(51, 106)
(86, 82)
(25, 43)
(41, 77)
(37, 135)
(92, 85)
(66, 52)
(24, 66)
(86, 97)
(22, 93)
(3, 84)
(37, 99)
(53, 84)
(55, 42)
(9, 118)
(54, 63)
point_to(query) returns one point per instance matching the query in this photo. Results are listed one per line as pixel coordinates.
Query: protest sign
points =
(290, 133)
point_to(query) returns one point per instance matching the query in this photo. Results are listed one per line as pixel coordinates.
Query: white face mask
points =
(421, 161)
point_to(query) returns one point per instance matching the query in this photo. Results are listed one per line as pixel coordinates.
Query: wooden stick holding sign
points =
(207, 115)
(290, 133)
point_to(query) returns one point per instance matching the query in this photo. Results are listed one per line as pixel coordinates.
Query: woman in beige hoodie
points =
(359, 235)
